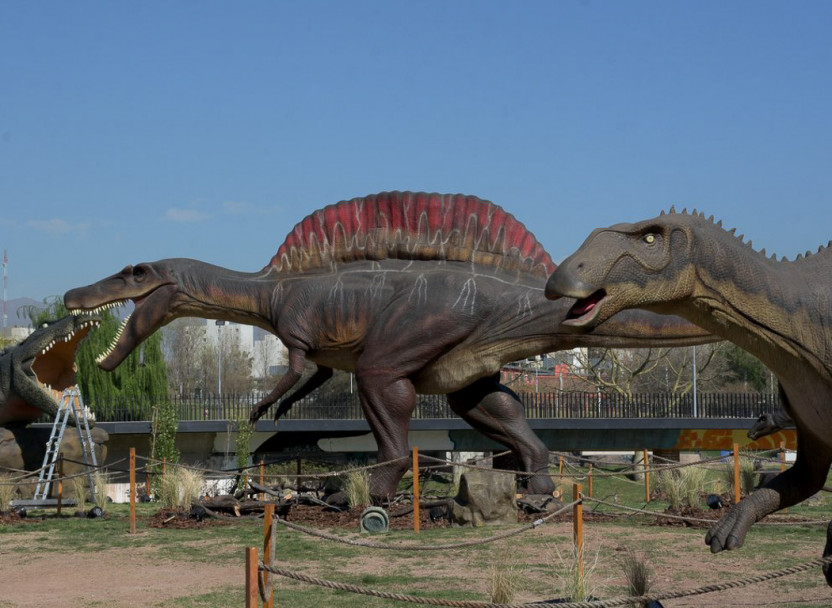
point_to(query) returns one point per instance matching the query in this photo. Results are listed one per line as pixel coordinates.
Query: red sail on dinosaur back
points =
(412, 225)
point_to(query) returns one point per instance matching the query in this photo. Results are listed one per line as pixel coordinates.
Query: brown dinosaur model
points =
(780, 311)
(413, 292)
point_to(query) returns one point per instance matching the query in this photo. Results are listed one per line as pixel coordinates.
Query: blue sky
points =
(134, 131)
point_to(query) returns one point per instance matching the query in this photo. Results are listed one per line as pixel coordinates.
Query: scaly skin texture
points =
(34, 372)
(438, 307)
(777, 310)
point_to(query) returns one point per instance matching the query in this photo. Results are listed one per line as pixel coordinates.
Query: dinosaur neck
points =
(219, 293)
(771, 309)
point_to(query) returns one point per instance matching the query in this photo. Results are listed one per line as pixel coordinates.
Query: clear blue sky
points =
(134, 131)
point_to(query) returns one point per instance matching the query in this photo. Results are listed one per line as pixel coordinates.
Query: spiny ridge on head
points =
(412, 226)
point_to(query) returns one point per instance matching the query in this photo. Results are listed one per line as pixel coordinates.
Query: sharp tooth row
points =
(112, 346)
(99, 309)
(69, 336)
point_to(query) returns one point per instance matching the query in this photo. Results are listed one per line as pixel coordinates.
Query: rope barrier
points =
(611, 603)
(411, 547)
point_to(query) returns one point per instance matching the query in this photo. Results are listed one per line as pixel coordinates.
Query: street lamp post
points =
(219, 359)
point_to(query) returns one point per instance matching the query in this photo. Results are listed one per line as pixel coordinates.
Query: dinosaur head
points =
(156, 290)
(644, 265)
(43, 365)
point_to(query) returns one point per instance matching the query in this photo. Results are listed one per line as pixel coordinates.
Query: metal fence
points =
(536, 405)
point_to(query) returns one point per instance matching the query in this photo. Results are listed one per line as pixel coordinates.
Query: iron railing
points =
(536, 405)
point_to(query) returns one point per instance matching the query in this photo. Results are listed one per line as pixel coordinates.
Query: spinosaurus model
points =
(34, 372)
(780, 311)
(413, 292)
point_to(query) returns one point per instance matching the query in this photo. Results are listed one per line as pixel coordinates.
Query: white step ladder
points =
(71, 404)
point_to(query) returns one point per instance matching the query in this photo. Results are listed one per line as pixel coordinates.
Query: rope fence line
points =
(420, 547)
(611, 603)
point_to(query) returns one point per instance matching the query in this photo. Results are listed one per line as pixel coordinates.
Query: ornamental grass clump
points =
(8, 489)
(504, 581)
(638, 574)
(78, 487)
(181, 487)
(747, 474)
(682, 487)
(357, 488)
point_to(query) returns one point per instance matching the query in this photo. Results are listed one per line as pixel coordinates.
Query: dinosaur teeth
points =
(115, 340)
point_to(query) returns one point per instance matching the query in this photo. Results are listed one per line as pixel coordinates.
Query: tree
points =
(744, 368)
(143, 372)
(183, 342)
(642, 370)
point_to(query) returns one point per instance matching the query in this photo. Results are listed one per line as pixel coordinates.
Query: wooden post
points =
(297, 479)
(132, 490)
(251, 577)
(164, 469)
(60, 481)
(782, 456)
(783, 463)
(268, 552)
(590, 480)
(262, 467)
(578, 529)
(646, 477)
(416, 489)
(560, 464)
(736, 473)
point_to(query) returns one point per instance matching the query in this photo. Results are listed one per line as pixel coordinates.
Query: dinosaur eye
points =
(649, 238)
(138, 272)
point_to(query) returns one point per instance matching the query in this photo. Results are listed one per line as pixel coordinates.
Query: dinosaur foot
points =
(729, 532)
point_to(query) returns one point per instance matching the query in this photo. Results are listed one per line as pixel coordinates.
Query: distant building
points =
(15, 334)
(269, 355)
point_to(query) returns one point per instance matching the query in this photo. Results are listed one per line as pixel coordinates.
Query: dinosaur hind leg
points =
(387, 404)
(496, 411)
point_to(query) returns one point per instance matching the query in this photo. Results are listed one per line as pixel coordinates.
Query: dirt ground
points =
(101, 578)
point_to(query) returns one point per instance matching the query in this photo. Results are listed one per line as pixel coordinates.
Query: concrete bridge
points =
(212, 442)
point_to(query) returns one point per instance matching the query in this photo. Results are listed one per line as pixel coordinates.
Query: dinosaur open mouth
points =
(46, 359)
(585, 309)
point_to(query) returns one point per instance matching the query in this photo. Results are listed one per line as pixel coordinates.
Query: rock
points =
(484, 498)
(25, 447)
(11, 456)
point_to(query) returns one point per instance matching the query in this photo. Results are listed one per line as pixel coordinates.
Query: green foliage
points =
(143, 372)
(743, 367)
(163, 425)
(241, 443)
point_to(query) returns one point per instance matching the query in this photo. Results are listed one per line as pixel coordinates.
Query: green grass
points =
(454, 575)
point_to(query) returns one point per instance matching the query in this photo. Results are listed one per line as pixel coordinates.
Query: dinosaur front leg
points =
(496, 411)
(789, 488)
(296, 360)
(321, 375)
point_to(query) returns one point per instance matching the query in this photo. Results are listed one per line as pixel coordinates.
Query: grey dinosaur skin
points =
(767, 423)
(25, 368)
(779, 311)
(403, 326)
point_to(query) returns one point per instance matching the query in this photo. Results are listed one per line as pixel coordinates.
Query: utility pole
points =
(5, 286)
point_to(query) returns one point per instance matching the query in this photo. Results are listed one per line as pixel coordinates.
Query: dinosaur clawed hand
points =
(729, 532)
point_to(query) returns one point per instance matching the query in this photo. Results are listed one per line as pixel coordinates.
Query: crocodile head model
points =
(34, 372)
(413, 292)
(778, 310)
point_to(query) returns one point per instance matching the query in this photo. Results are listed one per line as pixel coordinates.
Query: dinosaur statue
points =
(779, 311)
(769, 423)
(34, 373)
(413, 292)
